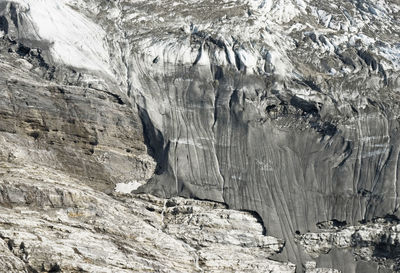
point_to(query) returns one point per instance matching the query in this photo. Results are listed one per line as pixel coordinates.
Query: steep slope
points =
(55, 223)
(287, 108)
(63, 146)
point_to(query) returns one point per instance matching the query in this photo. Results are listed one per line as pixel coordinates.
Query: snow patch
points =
(280, 11)
(74, 39)
(392, 54)
(248, 59)
(127, 187)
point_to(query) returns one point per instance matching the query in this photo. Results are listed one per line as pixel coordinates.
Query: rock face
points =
(285, 108)
(374, 245)
(52, 222)
(63, 147)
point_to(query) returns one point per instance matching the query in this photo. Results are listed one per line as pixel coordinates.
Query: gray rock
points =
(67, 226)
(374, 245)
(286, 108)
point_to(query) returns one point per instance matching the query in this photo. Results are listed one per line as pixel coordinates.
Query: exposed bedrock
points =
(286, 108)
(93, 134)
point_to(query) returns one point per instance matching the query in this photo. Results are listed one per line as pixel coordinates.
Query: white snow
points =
(391, 54)
(204, 58)
(75, 40)
(280, 11)
(249, 59)
(281, 65)
(127, 187)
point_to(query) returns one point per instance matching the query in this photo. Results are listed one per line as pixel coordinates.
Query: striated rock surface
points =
(288, 108)
(90, 133)
(65, 143)
(52, 222)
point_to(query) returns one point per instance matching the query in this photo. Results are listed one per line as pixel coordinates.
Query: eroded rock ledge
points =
(51, 222)
(287, 108)
(368, 247)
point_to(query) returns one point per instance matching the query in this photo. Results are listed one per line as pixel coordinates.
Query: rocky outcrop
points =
(374, 245)
(92, 133)
(286, 108)
(53, 222)
(65, 143)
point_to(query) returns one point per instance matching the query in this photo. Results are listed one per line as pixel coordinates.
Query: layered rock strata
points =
(286, 108)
